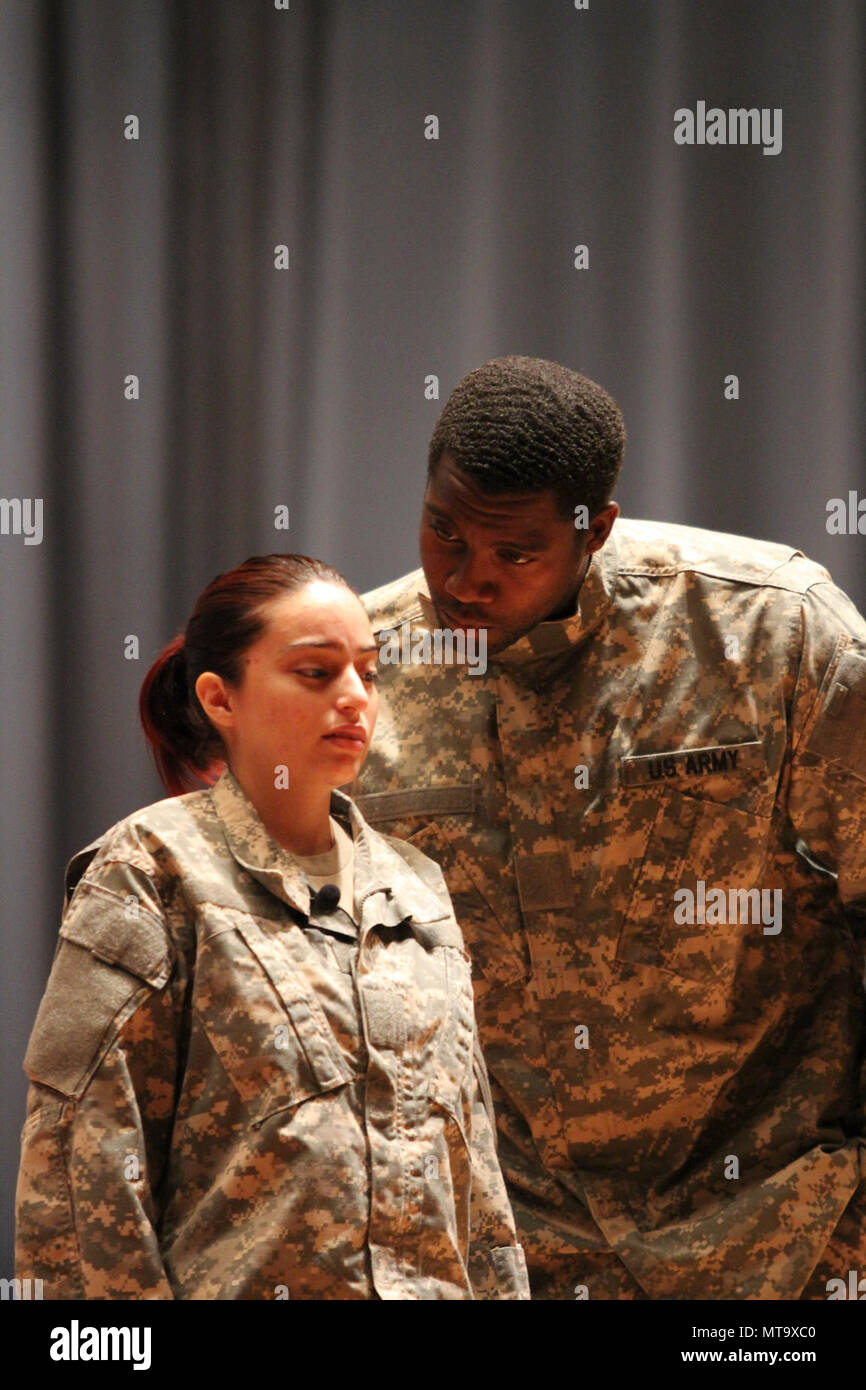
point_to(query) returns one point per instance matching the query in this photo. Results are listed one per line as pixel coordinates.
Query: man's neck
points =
(569, 608)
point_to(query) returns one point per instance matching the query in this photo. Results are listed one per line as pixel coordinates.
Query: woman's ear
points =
(215, 699)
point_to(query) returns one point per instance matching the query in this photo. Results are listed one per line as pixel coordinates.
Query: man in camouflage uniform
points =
(238, 1093)
(650, 810)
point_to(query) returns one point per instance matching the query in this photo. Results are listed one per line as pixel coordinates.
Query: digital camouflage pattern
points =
(714, 690)
(236, 1096)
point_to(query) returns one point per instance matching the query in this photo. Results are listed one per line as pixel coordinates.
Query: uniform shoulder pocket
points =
(839, 732)
(112, 951)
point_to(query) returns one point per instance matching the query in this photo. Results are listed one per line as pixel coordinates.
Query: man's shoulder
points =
(393, 603)
(660, 548)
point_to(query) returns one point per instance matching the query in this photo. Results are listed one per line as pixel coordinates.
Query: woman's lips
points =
(344, 739)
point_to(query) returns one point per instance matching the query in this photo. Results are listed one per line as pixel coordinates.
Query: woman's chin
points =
(346, 768)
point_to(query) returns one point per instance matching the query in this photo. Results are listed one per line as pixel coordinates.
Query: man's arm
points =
(826, 793)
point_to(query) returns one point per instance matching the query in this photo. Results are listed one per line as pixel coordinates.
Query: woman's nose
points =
(353, 690)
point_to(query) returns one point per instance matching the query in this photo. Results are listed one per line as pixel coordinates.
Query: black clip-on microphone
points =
(326, 899)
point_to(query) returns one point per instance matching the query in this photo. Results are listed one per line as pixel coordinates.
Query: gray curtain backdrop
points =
(408, 257)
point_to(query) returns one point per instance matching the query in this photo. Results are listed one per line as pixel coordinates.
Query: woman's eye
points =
(371, 676)
(312, 671)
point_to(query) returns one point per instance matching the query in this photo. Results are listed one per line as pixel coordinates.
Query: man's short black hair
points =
(520, 424)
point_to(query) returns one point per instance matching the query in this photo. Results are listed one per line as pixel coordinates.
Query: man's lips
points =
(461, 620)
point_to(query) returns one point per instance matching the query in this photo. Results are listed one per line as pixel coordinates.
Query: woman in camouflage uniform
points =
(245, 1084)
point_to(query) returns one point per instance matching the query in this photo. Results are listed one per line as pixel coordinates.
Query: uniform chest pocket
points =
(263, 1019)
(419, 1008)
(698, 900)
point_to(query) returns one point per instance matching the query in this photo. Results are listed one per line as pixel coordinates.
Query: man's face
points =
(503, 562)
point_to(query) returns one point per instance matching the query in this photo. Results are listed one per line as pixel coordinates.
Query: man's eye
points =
(371, 676)
(312, 671)
(513, 557)
(442, 531)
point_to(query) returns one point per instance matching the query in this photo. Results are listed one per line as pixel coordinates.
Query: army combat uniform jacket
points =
(676, 1083)
(237, 1096)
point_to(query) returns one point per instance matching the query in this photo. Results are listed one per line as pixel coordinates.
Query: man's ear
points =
(601, 526)
(215, 699)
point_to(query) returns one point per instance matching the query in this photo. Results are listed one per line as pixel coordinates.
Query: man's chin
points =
(496, 638)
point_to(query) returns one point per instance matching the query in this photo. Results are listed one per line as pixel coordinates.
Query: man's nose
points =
(468, 582)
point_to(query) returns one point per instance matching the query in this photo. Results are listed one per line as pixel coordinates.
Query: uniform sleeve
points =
(497, 1265)
(102, 1062)
(826, 793)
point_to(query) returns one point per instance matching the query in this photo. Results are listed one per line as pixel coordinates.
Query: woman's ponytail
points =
(183, 741)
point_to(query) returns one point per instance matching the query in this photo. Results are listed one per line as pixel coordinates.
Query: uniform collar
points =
(380, 872)
(550, 642)
(254, 848)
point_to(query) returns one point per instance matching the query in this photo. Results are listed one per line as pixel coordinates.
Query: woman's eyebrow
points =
(335, 646)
